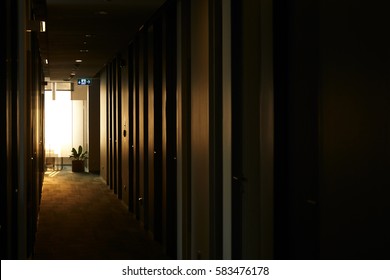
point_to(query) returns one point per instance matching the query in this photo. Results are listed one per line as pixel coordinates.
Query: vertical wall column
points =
(206, 129)
(7, 202)
(227, 129)
(114, 125)
(23, 133)
(130, 126)
(118, 125)
(94, 126)
(143, 129)
(252, 130)
(169, 140)
(118, 129)
(104, 127)
(155, 129)
(200, 126)
(136, 133)
(296, 129)
(125, 133)
(150, 148)
(183, 112)
(109, 126)
(200, 137)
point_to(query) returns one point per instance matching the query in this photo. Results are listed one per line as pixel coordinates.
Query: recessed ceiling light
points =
(83, 51)
(42, 26)
(78, 60)
(46, 61)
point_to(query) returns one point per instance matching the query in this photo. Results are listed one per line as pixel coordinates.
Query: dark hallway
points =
(80, 219)
(221, 129)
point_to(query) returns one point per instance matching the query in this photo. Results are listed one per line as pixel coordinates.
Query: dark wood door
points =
(169, 123)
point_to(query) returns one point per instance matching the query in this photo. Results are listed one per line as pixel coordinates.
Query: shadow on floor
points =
(81, 219)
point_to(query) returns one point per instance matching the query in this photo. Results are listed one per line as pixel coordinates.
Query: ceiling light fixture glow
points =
(42, 26)
(78, 60)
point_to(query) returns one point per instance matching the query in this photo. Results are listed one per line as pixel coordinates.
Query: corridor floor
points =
(81, 219)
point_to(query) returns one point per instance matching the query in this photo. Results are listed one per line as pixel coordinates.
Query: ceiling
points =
(89, 30)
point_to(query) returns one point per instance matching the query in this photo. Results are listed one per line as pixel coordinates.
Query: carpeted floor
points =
(80, 218)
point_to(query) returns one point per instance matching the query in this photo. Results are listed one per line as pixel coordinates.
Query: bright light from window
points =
(58, 123)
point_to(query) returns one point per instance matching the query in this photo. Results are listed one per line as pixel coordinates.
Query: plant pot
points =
(77, 166)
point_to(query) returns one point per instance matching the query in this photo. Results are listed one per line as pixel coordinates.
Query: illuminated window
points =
(65, 122)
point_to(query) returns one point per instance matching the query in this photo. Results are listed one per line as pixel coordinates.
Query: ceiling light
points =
(42, 26)
(46, 61)
(78, 60)
(83, 51)
(35, 25)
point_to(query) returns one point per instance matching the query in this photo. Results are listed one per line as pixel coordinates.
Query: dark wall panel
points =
(332, 120)
(118, 124)
(21, 124)
(183, 113)
(35, 176)
(124, 131)
(104, 140)
(157, 128)
(130, 127)
(296, 95)
(354, 130)
(169, 157)
(136, 137)
(114, 124)
(3, 142)
(94, 127)
(143, 129)
(150, 126)
(110, 151)
(200, 145)
(5, 108)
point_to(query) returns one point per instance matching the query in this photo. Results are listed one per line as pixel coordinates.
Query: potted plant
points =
(78, 159)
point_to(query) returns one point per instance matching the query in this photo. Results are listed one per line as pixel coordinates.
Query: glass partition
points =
(65, 121)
